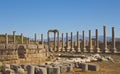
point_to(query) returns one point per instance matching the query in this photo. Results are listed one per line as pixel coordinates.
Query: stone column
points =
(28, 40)
(54, 41)
(105, 41)
(35, 38)
(6, 40)
(90, 42)
(58, 42)
(63, 49)
(113, 41)
(84, 46)
(48, 42)
(67, 43)
(97, 42)
(42, 39)
(14, 37)
(21, 38)
(78, 42)
(72, 49)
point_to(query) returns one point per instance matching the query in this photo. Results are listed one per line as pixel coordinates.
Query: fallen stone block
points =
(53, 70)
(40, 70)
(30, 69)
(93, 67)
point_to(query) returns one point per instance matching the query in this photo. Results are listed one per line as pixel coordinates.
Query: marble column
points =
(97, 42)
(67, 43)
(63, 49)
(6, 40)
(14, 37)
(54, 41)
(84, 45)
(90, 42)
(113, 41)
(42, 39)
(35, 38)
(58, 42)
(72, 49)
(105, 41)
(78, 42)
(21, 38)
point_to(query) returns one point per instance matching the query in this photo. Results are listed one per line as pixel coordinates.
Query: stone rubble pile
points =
(58, 66)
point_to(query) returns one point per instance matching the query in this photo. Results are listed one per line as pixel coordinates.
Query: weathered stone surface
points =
(93, 67)
(30, 69)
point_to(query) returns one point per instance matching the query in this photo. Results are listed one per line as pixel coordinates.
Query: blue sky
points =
(38, 16)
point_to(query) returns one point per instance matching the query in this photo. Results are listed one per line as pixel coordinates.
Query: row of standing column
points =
(83, 49)
(22, 39)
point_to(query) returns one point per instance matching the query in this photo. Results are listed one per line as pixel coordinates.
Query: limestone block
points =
(30, 69)
(40, 70)
(93, 67)
(2, 46)
(84, 66)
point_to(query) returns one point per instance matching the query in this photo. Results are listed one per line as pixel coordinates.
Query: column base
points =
(91, 50)
(63, 49)
(55, 49)
(78, 50)
(98, 50)
(107, 50)
(67, 49)
(72, 50)
(114, 50)
(85, 50)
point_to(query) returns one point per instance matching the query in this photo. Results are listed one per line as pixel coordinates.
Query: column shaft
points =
(113, 41)
(97, 42)
(90, 42)
(21, 38)
(78, 42)
(14, 37)
(6, 40)
(84, 46)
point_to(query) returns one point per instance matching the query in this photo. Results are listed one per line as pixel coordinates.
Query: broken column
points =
(105, 41)
(63, 49)
(35, 38)
(6, 40)
(84, 46)
(14, 37)
(42, 40)
(54, 41)
(72, 49)
(78, 42)
(67, 42)
(58, 41)
(97, 42)
(113, 41)
(21, 38)
(48, 42)
(90, 42)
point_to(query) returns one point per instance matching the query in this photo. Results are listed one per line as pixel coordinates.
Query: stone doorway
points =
(21, 52)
